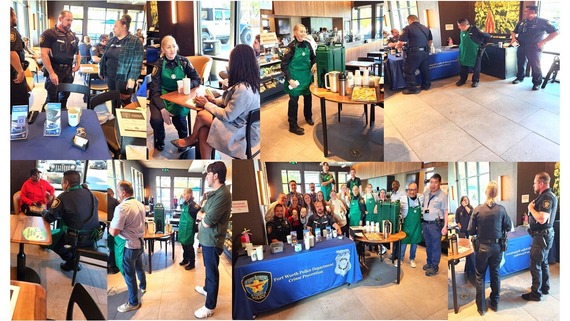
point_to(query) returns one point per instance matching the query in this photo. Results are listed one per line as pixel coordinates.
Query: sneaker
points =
(531, 297)
(203, 313)
(410, 92)
(201, 290)
(413, 263)
(143, 290)
(384, 249)
(475, 84)
(535, 87)
(516, 81)
(184, 262)
(431, 272)
(127, 307)
(426, 266)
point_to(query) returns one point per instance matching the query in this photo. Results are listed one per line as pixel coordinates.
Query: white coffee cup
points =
(186, 85)
(74, 116)
(180, 86)
(259, 252)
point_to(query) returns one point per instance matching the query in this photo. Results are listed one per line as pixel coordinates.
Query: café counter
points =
(289, 276)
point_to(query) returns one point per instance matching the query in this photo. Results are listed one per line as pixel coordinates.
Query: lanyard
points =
(430, 198)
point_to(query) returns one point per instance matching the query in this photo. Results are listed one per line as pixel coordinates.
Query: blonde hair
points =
(87, 40)
(492, 190)
(299, 25)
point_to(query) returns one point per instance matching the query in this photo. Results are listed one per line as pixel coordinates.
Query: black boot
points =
(159, 145)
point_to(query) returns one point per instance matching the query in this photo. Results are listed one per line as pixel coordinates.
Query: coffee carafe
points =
(386, 228)
(331, 81)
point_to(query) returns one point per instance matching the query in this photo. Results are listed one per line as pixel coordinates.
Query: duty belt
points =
(413, 49)
(489, 241)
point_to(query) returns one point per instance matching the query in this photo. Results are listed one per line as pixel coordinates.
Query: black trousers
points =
(416, 60)
(188, 253)
(64, 73)
(539, 269)
(464, 71)
(489, 256)
(18, 93)
(121, 86)
(157, 124)
(294, 107)
(531, 54)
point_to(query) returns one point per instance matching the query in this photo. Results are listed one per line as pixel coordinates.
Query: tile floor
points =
(348, 140)
(497, 121)
(377, 296)
(511, 305)
(58, 283)
(170, 290)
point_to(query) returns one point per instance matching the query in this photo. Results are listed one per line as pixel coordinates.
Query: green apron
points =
(186, 227)
(468, 49)
(354, 212)
(119, 252)
(300, 70)
(327, 189)
(351, 184)
(370, 204)
(413, 225)
(170, 84)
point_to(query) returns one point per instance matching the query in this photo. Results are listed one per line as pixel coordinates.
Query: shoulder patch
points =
(546, 204)
(154, 70)
(269, 229)
(41, 39)
(286, 50)
(55, 203)
(12, 36)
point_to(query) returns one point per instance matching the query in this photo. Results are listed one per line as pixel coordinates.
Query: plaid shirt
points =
(130, 58)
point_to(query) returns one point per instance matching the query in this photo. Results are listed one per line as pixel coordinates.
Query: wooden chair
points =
(102, 204)
(203, 65)
(16, 202)
(86, 303)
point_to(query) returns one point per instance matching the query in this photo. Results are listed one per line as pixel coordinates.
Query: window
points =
(287, 176)
(163, 187)
(398, 12)
(138, 184)
(215, 25)
(342, 177)
(181, 183)
(362, 21)
(551, 10)
(249, 22)
(77, 25)
(138, 20)
(52, 171)
(379, 20)
(312, 177)
(101, 21)
(115, 173)
(97, 175)
(472, 180)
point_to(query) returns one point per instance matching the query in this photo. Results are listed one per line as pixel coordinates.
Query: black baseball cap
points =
(34, 171)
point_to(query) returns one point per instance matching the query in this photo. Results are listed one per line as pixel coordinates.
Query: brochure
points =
(19, 125)
(52, 125)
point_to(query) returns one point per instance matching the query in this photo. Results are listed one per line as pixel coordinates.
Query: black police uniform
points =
(320, 222)
(417, 37)
(542, 238)
(97, 51)
(278, 229)
(18, 92)
(64, 46)
(77, 208)
(488, 223)
(530, 32)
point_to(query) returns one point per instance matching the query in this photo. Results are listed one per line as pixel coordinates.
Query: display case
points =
(272, 80)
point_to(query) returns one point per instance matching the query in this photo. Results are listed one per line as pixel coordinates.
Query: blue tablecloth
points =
(38, 146)
(290, 276)
(441, 65)
(517, 256)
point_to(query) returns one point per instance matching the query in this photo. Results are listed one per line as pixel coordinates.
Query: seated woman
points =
(170, 68)
(221, 125)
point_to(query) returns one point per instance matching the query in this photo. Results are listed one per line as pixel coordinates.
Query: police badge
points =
(257, 285)
(546, 204)
(342, 262)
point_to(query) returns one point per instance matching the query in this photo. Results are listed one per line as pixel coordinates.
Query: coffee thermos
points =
(453, 244)
(342, 84)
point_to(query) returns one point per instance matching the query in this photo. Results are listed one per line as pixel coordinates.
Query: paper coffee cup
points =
(73, 116)
(307, 243)
(259, 252)
(289, 239)
(180, 86)
(253, 257)
(186, 85)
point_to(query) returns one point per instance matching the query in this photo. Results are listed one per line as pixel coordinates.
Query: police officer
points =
(278, 228)
(76, 207)
(434, 223)
(530, 33)
(186, 229)
(321, 220)
(59, 46)
(418, 39)
(542, 213)
(18, 63)
(98, 50)
(488, 223)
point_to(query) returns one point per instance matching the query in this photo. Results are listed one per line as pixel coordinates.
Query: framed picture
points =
(497, 17)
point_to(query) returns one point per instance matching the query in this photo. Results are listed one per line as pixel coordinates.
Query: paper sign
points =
(34, 234)
(239, 207)
(524, 198)
(268, 38)
(449, 26)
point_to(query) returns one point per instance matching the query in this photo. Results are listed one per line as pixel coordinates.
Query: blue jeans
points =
(413, 248)
(211, 257)
(133, 268)
(432, 237)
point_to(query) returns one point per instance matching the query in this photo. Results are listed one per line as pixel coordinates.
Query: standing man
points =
(98, 50)
(18, 63)
(488, 223)
(214, 218)
(186, 229)
(434, 223)
(530, 35)
(354, 181)
(312, 192)
(394, 38)
(396, 194)
(411, 211)
(293, 192)
(128, 225)
(471, 50)
(327, 182)
(35, 192)
(59, 46)
(542, 214)
(418, 39)
(281, 199)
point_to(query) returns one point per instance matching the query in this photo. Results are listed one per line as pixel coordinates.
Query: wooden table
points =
(89, 69)
(22, 230)
(465, 249)
(150, 238)
(31, 303)
(324, 94)
(183, 100)
(397, 237)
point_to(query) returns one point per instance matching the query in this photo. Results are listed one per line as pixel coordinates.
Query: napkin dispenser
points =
(276, 247)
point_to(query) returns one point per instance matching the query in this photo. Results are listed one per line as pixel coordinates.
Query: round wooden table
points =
(163, 237)
(324, 94)
(397, 237)
(465, 249)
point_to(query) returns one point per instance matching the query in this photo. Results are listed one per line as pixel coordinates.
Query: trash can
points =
(211, 47)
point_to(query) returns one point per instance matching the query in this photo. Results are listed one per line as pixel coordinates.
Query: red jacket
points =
(35, 192)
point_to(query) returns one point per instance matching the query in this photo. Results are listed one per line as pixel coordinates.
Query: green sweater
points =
(217, 208)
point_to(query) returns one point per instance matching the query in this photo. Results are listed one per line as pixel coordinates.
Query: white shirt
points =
(129, 218)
